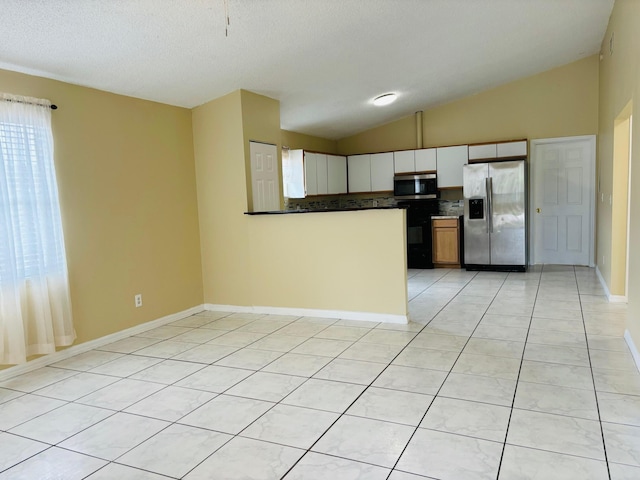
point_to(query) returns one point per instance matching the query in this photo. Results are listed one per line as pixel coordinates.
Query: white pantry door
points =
(562, 207)
(264, 177)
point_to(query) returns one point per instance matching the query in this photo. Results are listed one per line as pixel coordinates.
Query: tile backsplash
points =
(354, 200)
(364, 200)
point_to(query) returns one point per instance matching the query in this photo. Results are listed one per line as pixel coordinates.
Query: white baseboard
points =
(98, 342)
(611, 298)
(632, 347)
(312, 312)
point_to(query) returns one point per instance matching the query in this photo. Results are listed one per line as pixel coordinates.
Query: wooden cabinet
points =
(382, 172)
(310, 173)
(450, 163)
(337, 174)
(446, 242)
(359, 173)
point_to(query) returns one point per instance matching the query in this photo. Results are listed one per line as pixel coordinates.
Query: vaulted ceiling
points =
(324, 60)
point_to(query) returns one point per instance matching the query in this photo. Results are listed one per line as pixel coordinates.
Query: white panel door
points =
(563, 200)
(322, 174)
(426, 160)
(310, 173)
(359, 173)
(337, 173)
(404, 161)
(264, 177)
(382, 172)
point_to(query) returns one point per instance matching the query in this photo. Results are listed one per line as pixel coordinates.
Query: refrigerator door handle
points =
(489, 186)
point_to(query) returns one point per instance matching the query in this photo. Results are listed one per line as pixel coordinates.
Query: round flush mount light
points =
(385, 99)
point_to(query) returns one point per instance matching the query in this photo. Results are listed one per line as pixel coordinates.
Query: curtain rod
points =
(52, 107)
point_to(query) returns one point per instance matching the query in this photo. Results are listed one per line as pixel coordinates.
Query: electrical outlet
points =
(138, 300)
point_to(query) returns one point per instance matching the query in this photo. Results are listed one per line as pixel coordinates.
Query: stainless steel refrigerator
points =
(495, 216)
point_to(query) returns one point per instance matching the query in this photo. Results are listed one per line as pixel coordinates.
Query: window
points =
(35, 307)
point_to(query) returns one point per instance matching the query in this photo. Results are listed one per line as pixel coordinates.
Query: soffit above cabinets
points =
(324, 61)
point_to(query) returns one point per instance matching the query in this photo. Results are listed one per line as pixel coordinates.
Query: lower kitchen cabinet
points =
(446, 242)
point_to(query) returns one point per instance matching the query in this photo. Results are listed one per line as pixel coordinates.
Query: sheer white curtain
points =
(35, 307)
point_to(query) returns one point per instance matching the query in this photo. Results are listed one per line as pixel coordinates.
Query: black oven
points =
(419, 244)
(415, 187)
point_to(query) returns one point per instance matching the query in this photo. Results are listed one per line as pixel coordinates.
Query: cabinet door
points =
(445, 245)
(310, 173)
(293, 174)
(512, 149)
(359, 173)
(382, 172)
(426, 160)
(337, 173)
(404, 161)
(322, 173)
(450, 162)
(477, 152)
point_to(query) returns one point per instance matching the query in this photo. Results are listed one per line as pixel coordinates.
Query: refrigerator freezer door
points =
(508, 207)
(476, 227)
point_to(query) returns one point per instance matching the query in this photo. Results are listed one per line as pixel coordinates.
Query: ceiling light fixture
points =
(385, 99)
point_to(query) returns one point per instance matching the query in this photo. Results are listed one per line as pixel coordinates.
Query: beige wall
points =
(295, 140)
(127, 192)
(352, 261)
(316, 261)
(218, 145)
(260, 123)
(557, 103)
(620, 84)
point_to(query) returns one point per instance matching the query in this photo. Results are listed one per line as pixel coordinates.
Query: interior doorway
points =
(563, 200)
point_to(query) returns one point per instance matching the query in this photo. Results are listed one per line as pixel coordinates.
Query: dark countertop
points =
(320, 210)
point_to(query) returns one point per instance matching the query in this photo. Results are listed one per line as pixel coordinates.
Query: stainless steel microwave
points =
(415, 187)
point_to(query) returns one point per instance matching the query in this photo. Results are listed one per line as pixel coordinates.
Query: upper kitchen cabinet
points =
(308, 173)
(450, 163)
(425, 160)
(337, 174)
(382, 172)
(404, 161)
(410, 161)
(497, 151)
(359, 173)
(512, 149)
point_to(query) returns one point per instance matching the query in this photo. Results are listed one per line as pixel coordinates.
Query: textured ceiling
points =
(323, 59)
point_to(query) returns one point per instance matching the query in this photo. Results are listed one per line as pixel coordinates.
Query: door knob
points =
(538, 210)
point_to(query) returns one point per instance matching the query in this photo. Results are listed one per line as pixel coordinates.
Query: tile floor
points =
(499, 376)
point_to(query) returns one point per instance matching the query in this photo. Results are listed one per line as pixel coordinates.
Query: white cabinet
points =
(382, 172)
(512, 149)
(321, 174)
(336, 174)
(450, 163)
(308, 173)
(359, 173)
(480, 152)
(498, 150)
(404, 161)
(425, 160)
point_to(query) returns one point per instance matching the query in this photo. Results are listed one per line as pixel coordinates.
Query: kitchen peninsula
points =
(340, 263)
